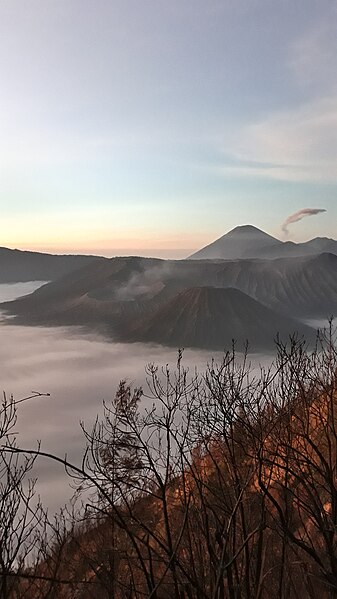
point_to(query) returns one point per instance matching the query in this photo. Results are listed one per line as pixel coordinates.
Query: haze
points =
(79, 372)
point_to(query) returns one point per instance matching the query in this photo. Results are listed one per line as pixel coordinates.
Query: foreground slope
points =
(235, 468)
(210, 317)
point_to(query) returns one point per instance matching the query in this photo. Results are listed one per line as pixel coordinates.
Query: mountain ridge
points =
(24, 265)
(248, 241)
(134, 298)
(117, 296)
(212, 318)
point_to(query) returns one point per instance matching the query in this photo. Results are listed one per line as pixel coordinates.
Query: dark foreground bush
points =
(223, 487)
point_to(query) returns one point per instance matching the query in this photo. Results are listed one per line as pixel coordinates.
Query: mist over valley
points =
(76, 337)
(192, 303)
(79, 370)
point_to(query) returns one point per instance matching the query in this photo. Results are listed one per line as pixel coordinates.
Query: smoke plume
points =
(294, 218)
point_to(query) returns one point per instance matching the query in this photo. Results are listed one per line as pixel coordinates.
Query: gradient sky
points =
(155, 126)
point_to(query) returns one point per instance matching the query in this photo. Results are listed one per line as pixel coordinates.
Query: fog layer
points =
(79, 371)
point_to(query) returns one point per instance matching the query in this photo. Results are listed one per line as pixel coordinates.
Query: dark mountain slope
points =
(299, 287)
(321, 244)
(210, 317)
(242, 242)
(251, 242)
(97, 294)
(17, 265)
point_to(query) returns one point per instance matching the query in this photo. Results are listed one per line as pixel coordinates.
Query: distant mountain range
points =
(244, 242)
(17, 265)
(250, 242)
(197, 303)
(246, 285)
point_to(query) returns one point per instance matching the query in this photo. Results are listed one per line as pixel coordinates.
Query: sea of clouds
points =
(79, 370)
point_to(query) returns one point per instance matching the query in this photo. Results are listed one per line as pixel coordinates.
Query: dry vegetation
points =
(225, 488)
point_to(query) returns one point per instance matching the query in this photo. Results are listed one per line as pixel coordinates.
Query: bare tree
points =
(21, 512)
(218, 485)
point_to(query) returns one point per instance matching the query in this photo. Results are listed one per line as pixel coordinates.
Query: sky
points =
(154, 127)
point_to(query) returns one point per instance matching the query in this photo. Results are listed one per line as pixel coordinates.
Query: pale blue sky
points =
(152, 126)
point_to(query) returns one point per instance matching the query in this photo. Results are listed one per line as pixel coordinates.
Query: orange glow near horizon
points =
(77, 233)
(165, 248)
(173, 253)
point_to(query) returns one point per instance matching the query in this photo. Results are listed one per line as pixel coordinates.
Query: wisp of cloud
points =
(294, 218)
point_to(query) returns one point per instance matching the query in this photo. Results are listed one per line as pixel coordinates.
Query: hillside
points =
(231, 471)
(93, 296)
(297, 287)
(138, 299)
(250, 242)
(242, 242)
(211, 318)
(300, 287)
(19, 266)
